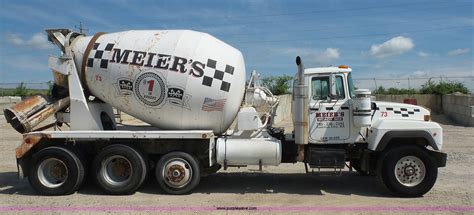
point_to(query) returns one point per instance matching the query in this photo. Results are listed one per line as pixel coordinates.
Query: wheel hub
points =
(52, 172)
(59, 172)
(120, 168)
(116, 170)
(410, 171)
(177, 173)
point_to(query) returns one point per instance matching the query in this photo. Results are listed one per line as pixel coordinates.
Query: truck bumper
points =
(439, 157)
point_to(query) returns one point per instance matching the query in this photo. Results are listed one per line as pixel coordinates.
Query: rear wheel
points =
(178, 173)
(56, 171)
(408, 171)
(119, 169)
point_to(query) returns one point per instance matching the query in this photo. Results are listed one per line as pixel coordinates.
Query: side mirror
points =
(332, 87)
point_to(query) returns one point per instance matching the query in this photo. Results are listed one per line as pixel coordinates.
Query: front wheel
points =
(408, 171)
(178, 173)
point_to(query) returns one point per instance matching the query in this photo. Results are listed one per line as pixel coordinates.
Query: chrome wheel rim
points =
(117, 170)
(52, 173)
(410, 171)
(177, 173)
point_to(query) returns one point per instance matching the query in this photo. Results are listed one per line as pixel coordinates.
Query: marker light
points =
(427, 117)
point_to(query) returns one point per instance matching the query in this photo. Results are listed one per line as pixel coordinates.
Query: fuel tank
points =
(171, 79)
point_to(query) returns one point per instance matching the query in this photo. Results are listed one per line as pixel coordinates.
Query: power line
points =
(354, 36)
(334, 27)
(324, 11)
(330, 17)
(416, 78)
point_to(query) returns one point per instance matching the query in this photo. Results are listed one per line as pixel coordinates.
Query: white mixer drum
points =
(172, 79)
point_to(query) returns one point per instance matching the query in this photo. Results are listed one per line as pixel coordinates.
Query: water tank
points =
(172, 79)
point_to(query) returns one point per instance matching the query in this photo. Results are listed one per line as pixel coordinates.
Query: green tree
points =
(380, 91)
(443, 87)
(428, 87)
(21, 90)
(393, 91)
(50, 87)
(278, 85)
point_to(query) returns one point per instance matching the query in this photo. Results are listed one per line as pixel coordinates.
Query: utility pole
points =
(81, 28)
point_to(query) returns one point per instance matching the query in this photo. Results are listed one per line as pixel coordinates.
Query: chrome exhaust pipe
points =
(301, 109)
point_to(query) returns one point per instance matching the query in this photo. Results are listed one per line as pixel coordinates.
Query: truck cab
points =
(397, 142)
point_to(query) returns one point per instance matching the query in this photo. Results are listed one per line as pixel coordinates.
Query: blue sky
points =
(378, 39)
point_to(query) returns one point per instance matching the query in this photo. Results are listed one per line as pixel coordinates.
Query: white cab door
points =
(329, 118)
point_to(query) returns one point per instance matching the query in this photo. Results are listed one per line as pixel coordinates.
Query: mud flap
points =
(21, 173)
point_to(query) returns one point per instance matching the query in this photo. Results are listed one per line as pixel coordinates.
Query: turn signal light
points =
(427, 118)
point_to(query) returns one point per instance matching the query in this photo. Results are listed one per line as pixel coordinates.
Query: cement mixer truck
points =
(202, 116)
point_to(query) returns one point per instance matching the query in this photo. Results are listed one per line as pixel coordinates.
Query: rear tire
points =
(56, 171)
(408, 171)
(178, 173)
(119, 169)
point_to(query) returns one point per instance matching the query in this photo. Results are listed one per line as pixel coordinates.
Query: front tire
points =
(56, 171)
(178, 173)
(408, 171)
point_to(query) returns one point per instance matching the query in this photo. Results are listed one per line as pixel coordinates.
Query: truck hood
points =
(392, 110)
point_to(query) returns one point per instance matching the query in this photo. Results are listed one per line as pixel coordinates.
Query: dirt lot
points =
(278, 189)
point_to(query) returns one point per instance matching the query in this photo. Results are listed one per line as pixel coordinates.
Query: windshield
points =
(351, 86)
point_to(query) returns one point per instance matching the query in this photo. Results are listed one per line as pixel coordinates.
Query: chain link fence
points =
(6, 89)
(411, 83)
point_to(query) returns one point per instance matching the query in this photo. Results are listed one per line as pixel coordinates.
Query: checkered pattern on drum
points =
(97, 54)
(217, 76)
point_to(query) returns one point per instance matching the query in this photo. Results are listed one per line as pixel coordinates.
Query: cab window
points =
(351, 86)
(320, 88)
(340, 87)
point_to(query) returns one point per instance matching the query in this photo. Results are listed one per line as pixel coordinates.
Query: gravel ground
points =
(281, 189)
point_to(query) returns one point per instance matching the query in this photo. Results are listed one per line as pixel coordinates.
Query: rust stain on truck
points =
(29, 141)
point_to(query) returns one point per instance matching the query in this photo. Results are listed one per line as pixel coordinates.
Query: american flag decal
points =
(213, 104)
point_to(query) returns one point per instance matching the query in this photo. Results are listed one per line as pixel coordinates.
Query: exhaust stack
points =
(28, 114)
(300, 109)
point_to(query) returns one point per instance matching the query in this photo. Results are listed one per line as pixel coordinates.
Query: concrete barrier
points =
(8, 101)
(283, 110)
(459, 108)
